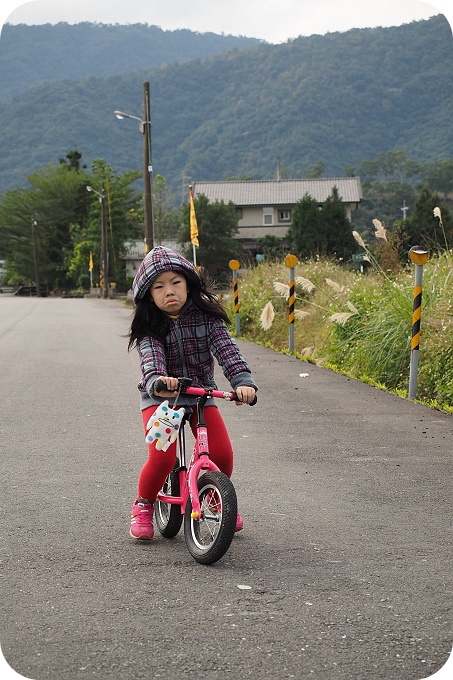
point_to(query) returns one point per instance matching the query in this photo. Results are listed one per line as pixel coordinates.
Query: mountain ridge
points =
(46, 52)
(339, 98)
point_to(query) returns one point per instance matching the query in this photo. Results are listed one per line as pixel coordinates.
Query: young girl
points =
(177, 327)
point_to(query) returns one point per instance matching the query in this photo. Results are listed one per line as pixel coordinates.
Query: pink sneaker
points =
(142, 521)
(239, 523)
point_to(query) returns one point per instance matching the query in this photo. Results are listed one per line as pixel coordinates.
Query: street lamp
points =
(145, 129)
(104, 250)
(121, 115)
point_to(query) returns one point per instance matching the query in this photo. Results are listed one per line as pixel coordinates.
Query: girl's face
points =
(169, 292)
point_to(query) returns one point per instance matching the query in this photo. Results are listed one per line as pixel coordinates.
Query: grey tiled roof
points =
(279, 192)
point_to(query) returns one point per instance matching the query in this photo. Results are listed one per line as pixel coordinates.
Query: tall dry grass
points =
(358, 323)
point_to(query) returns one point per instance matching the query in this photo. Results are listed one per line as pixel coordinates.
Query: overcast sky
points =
(272, 20)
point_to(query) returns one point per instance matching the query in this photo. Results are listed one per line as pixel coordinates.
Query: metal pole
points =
(291, 261)
(419, 257)
(104, 248)
(147, 171)
(234, 266)
(35, 257)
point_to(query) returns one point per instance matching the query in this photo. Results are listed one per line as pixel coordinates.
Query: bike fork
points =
(201, 461)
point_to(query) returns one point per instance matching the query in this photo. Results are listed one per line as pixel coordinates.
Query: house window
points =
(284, 215)
(268, 216)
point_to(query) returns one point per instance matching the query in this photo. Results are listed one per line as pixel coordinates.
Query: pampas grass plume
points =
(340, 317)
(437, 213)
(267, 316)
(305, 283)
(359, 239)
(300, 314)
(380, 231)
(337, 287)
(282, 288)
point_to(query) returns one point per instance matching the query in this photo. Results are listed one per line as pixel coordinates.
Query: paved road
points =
(345, 493)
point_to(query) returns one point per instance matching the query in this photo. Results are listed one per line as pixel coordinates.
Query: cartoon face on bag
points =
(163, 426)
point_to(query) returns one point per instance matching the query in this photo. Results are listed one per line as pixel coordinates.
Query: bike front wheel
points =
(209, 537)
(168, 516)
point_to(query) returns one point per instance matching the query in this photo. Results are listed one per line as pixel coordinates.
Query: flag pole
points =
(193, 226)
(90, 267)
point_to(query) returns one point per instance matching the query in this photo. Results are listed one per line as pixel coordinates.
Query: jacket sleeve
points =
(153, 362)
(224, 348)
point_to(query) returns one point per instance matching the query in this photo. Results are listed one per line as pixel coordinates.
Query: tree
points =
(439, 176)
(321, 230)
(391, 183)
(124, 223)
(336, 229)
(304, 233)
(54, 202)
(16, 244)
(316, 171)
(389, 166)
(67, 224)
(72, 160)
(272, 247)
(167, 220)
(217, 224)
(424, 229)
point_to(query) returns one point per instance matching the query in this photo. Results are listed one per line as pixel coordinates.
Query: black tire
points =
(168, 517)
(209, 538)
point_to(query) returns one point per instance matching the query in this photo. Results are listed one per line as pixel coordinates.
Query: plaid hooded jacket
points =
(194, 339)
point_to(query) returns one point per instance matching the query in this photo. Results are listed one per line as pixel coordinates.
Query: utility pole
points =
(104, 273)
(147, 171)
(35, 256)
(104, 248)
(145, 129)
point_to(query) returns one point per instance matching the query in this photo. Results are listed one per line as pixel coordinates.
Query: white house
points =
(265, 206)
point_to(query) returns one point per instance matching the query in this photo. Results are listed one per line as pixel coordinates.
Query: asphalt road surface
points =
(343, 569)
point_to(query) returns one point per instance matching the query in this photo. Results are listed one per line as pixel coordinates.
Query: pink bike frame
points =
(199, 460)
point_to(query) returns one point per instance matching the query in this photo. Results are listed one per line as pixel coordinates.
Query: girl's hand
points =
(172, 386)
(245, 394)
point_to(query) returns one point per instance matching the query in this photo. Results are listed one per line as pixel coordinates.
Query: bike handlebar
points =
(185, 388)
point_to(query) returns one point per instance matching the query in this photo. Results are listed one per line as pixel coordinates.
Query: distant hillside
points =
(30, 55)
(339, 98)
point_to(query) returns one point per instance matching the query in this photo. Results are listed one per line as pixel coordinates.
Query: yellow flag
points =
(193, 221)
(90, 267)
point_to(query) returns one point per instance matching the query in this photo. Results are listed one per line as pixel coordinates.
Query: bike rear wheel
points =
(209, 537)
(168, 516)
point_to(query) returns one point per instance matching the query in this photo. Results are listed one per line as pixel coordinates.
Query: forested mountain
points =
(339, 98)
(34, 54)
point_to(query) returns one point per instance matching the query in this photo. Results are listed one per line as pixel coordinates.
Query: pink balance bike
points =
(199, 492)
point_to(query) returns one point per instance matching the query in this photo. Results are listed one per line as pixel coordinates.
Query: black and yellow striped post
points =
(291, 262)
(234, 266)
(419, 257)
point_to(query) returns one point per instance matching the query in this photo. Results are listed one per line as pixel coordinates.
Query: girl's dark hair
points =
(149, 320)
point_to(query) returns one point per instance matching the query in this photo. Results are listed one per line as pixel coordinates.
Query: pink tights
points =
(160, 463)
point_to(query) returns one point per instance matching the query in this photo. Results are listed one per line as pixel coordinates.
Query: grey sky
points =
(272, 20)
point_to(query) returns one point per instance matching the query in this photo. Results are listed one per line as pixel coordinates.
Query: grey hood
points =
(156, 262)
